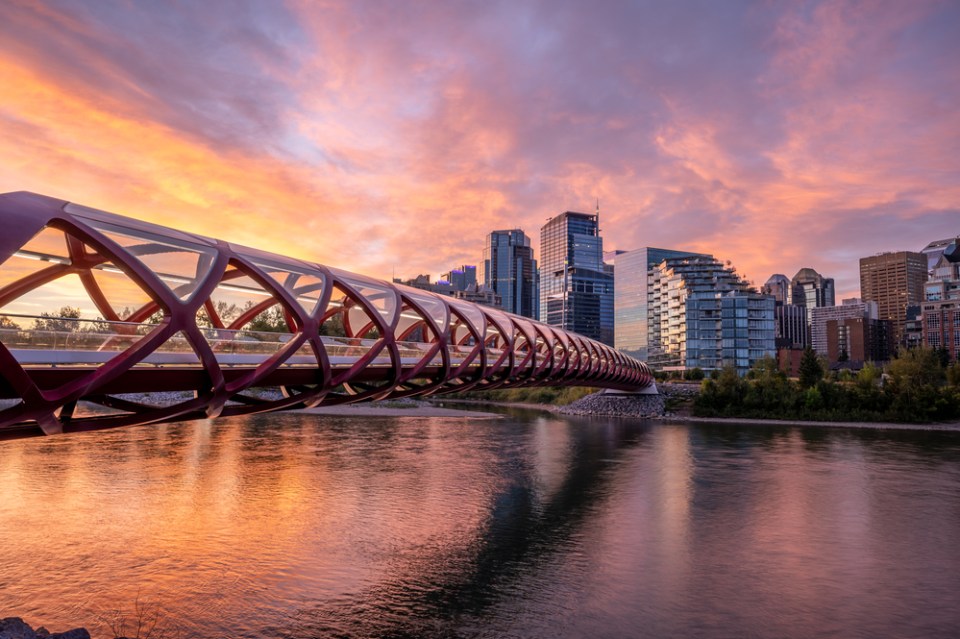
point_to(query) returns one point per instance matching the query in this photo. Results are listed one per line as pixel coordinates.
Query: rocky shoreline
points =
(629, 405)
(616, 405)
(16, 628)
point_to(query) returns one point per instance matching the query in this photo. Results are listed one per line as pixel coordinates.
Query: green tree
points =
(915, 378)
(811, 369)
(226, 312)
(943, 354)
(953, 374)
(272, 320)
(869, 376)
(62, 321)
(769, 390)
(812, 399)
(333, 326)
(916, 367)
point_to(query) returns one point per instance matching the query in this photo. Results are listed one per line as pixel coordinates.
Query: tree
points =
(811, 370)
(916, 367)
(953, 374)
(63, 321)
(869, 376)
(915, 379)
(272, 320)
(226, 312)
(943, 354)
(6, 322)
(334, 326)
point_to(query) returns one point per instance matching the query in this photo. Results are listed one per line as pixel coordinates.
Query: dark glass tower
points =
(811, 290)
(575, 292)
(511, 272)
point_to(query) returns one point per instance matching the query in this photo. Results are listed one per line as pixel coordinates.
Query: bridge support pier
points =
(649, 390)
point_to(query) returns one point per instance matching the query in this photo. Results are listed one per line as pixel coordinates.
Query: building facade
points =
(894, 281)
(933, 251)
(777, 286)
(811, 290)
(858, 340)
(704, 316)
(461, 278)
(480, 294)
(792, 321)
(853, 308)
(510, 271)
(476, 293)
(793, 326)
(631, 297)
(576, 293)
(941, 304)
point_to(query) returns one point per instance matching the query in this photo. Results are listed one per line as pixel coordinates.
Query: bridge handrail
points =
(195, 301)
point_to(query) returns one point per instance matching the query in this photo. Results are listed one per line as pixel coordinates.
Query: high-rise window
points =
(576, 292)
(511, 272)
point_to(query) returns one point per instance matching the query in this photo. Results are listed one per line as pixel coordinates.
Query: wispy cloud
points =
(775, 135)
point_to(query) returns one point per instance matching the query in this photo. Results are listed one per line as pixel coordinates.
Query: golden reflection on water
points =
(213, 508)
(298, 525)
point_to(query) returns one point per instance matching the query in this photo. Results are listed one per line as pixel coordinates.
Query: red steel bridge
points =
(108, 321)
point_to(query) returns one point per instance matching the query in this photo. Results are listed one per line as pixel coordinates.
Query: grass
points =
(537, 395)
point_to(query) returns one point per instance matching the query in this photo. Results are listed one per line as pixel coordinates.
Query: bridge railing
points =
(81, 341)
(198, 307)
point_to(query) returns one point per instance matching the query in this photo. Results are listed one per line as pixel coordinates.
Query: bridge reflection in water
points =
(217, 323)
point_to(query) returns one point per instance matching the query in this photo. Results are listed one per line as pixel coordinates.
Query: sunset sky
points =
(391, 137)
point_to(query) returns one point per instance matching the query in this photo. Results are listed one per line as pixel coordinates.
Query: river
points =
(534, 525)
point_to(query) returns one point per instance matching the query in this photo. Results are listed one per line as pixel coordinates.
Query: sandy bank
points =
(419, 410)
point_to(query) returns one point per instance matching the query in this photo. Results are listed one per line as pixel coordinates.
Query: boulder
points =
(16, 628)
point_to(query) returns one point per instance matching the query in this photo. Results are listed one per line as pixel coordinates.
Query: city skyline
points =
(779, 136)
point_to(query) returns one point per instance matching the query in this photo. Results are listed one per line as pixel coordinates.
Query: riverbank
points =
(397, 409)
(942, 427)
(675, 407)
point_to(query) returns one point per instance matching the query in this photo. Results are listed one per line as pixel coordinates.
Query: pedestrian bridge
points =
(108, 321)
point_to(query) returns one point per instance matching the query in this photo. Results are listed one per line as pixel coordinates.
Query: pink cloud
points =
(387, 138)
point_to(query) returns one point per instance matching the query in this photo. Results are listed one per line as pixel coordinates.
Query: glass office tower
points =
(511, 272)
(575, 291)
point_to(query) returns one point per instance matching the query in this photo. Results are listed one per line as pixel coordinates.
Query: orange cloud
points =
(380, 140)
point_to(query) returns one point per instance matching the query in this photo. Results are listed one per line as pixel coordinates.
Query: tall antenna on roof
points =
(598, 217)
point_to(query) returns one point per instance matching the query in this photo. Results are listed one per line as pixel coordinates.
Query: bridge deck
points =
(177, 311)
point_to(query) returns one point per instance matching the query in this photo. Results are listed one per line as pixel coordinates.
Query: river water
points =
(293, 525)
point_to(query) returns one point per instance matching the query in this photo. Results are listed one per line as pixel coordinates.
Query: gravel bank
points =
(616, 405)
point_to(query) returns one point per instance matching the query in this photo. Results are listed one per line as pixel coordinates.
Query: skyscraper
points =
(811, 290)
(511, 272)
(575, 291)
(631, 297)
(894, 281)
(791, 319)
(778, 286)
